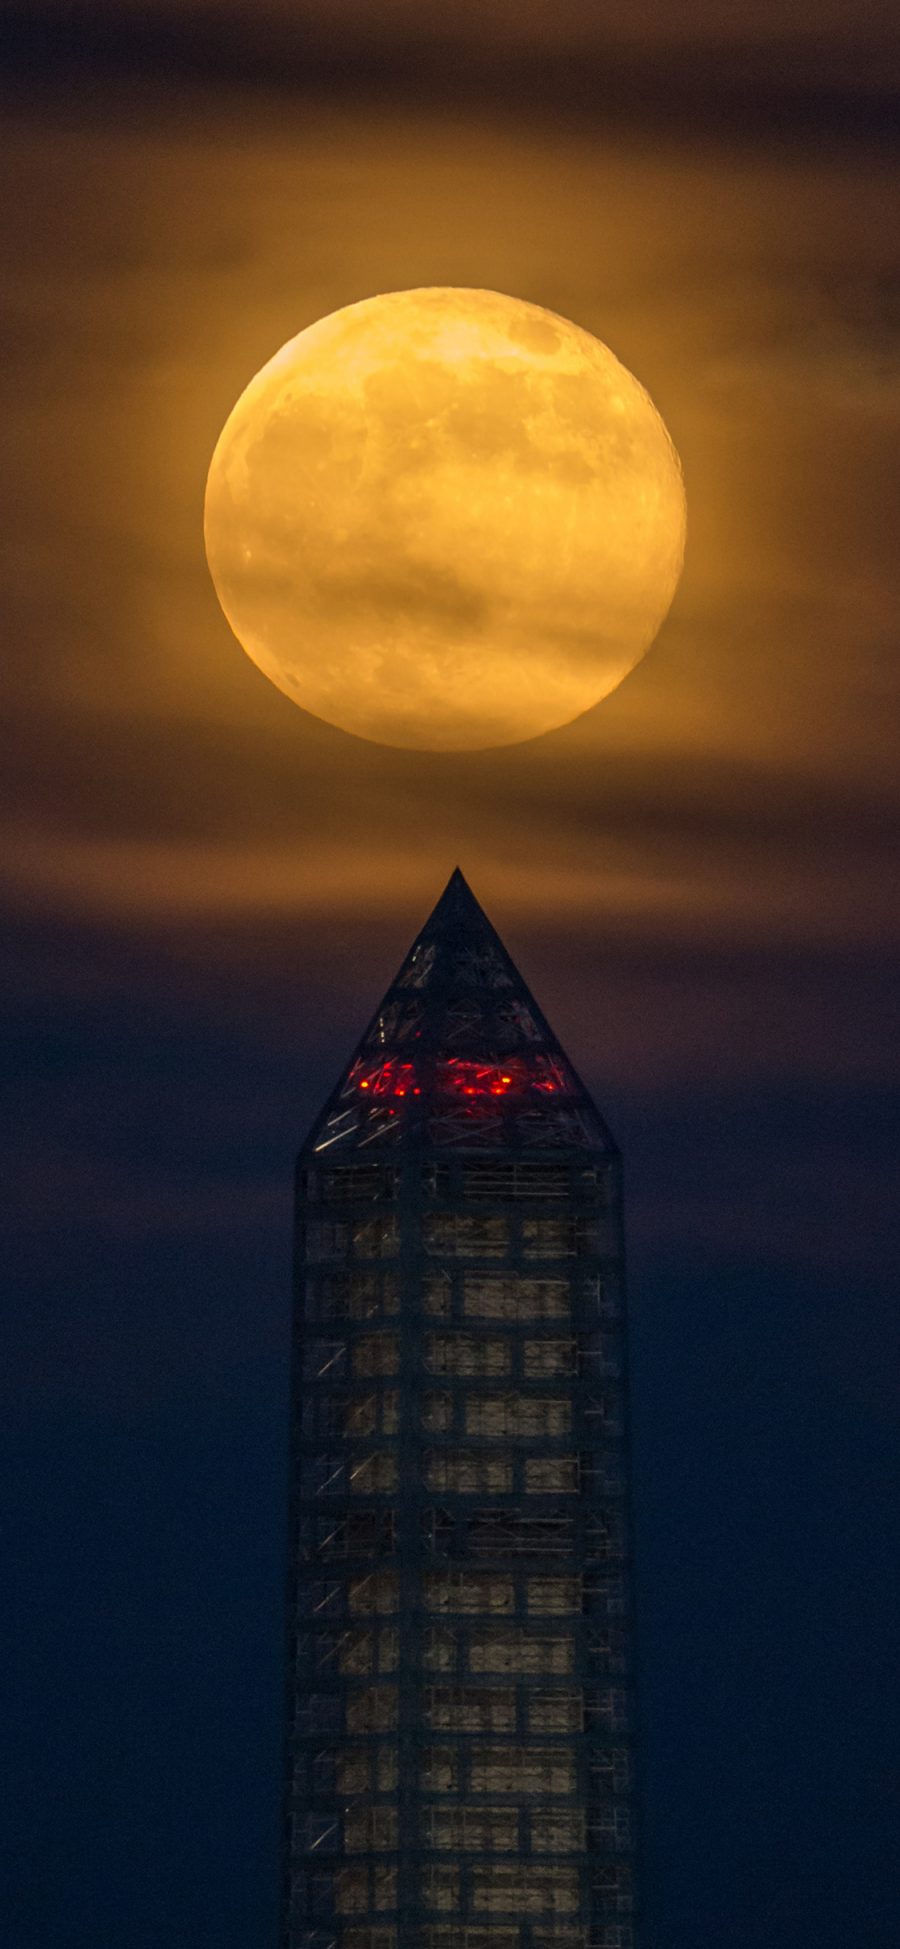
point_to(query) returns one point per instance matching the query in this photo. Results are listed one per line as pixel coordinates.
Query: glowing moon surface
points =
(445, 519)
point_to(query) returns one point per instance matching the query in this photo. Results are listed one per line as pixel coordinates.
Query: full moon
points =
(445, 519)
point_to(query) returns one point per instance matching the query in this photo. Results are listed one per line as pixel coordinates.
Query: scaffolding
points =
(459, 1747)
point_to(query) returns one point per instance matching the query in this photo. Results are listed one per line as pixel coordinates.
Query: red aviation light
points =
(461, 1078)
(518, 1076)
(457, 1076)
(389, 1079)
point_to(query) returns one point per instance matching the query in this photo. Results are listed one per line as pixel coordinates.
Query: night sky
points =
(206, 892)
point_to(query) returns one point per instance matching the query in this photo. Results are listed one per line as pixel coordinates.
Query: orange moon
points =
(445, 519)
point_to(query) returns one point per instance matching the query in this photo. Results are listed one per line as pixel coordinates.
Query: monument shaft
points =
(459, 1750)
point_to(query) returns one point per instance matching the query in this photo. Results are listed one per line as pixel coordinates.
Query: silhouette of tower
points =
(459, 1748)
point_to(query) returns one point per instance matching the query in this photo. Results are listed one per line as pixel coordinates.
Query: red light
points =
(519, 1076)
(390, 1078)
(481, 1078)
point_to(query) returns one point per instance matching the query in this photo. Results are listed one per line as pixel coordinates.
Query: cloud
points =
(681, 869)
(740, 784)
(787, 69)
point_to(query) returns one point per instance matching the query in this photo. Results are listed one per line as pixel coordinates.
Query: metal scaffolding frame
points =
(459, 1732)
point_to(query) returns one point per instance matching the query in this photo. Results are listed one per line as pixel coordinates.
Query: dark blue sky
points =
(206, 892)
